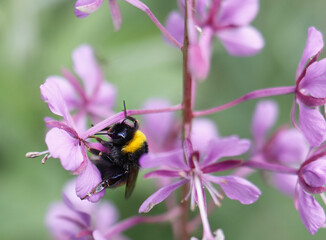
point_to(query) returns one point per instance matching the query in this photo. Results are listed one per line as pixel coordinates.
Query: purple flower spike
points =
(197, 172)
(310, 93)
(77, 219)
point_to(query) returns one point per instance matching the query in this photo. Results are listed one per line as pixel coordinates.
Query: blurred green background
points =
(37, 38)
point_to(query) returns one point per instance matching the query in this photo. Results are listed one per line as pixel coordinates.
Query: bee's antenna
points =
(124, 108)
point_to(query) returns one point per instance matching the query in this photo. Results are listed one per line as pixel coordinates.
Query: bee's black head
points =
(121, 133)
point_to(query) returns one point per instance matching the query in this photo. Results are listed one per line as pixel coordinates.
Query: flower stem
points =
(267, 92)
(120, 115)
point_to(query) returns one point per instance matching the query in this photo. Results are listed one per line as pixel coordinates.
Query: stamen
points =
(35, 154)
(46, 157)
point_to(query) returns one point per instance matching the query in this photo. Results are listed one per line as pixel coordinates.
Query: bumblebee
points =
(119, 165)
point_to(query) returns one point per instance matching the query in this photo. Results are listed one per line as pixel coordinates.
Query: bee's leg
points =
(100, 153)
(136, 125)
(106, 144)
(106, 183)
(100, 187)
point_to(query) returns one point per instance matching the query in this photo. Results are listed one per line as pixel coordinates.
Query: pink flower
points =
(77, 219)
(311, 180)
(288, 147)
(227, 20)
(65, 142)
(95, 97)
(197, 172)
(311, 89)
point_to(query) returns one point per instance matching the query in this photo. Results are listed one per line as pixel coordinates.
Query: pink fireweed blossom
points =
(198, 173)
(311, 180)
(311, 89)
(288, 148)
(67, 143)
(95, 97)
(228, 20)
(76, 219)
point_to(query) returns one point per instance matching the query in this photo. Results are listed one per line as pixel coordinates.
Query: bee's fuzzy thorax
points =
(136, 143)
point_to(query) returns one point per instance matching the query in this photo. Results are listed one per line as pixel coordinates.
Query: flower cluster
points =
(77, 219)
(288, 147)
(187, 152)
(227, 20)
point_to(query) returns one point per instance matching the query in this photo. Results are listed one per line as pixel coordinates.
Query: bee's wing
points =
(131, 181)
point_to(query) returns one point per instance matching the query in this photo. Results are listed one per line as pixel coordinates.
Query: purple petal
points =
(200, 54)
(80, 14)
(202, 131)
(103, 101)
(87, 6)
(63, 222)
(165, 124)
(175, 26)
(162, 173)
(312, 124)
(173, 159)
(313, 46)
(225, 147)
(115, 13)
(73, 201)
(242, 41)
(311, 213)
(62, 145)
(237, 12)
(289, 147)
(285, 183)
(51, 94)
(314, 173)
(202, 7)
(104, 216)
(86, 182)
(85, 65)
(314, 81)
(221, 166)
(97, 235)
(264, 118)
(237, 188)
(67, 91)
(159, 196)
(188, 150)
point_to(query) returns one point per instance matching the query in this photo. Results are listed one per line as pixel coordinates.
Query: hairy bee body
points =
(119, 165)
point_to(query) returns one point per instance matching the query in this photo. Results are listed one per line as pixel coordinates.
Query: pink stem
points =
(119, 116)
(252, 95)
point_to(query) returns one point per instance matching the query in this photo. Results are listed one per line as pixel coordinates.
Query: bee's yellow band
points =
(135, 143)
